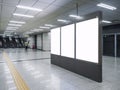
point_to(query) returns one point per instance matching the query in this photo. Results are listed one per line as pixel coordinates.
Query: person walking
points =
(26, 45)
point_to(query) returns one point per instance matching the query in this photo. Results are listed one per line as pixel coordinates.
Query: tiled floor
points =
(35, 68)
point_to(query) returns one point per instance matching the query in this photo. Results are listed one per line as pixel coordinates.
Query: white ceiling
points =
(52, 10)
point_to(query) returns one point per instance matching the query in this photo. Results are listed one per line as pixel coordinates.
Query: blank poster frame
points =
(87, 40)
(68, 34)
(85, 68)
(55, 41)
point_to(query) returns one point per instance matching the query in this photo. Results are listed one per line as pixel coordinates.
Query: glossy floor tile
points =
(39, 74)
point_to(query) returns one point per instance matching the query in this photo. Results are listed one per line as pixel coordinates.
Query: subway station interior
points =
(60, 44)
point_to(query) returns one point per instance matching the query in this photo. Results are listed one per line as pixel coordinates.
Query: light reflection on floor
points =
(41, 75)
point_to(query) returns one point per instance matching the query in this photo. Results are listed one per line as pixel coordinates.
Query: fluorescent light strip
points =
(75, 16)
(23, 15)
(106, 6)
(62, 20)
(17, 22)
(49, 25)
(105, 21)
(15, 25)
(28, 8)
(44, 27)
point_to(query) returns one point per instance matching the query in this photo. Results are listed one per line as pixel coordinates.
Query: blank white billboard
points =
(87, 33)
(67, 41)
(55, 41)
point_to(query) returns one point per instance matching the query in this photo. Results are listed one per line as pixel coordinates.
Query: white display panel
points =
(87, 40)
(55, 41)
(67, 41)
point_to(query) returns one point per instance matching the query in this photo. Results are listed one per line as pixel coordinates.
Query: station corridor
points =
(35, 67)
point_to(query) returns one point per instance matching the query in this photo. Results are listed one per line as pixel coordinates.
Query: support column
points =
(115, 45)
(35, 40)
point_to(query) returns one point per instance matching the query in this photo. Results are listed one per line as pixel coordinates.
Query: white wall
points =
(46, 41)
(39, 41)
(31, 41)
(43, 41)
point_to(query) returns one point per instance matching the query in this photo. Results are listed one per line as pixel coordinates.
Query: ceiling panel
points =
(0, 10)
(61, 2)
(27, 2)
(25, 19)
(40, 15)
(6, 15)
(5, 19)
(32, 13)
(16, 18)
(12, 2)
(46, 1)
(41, 5)
(3, 26)
(21, 11)
(53, 9)
(7, 11)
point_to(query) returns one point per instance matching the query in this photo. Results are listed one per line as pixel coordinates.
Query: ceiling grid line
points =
(71, 2)
(84, 2)
(50, 4)
(1, 15)
(43, 9)
(53, 10)
(6, 4)
(13, 11)
(47, 6)
(28, 10)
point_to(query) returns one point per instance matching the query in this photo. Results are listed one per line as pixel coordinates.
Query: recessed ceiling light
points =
(106, 6)
(15, 25)
(62, 20)
(43, 27)
(28, 8)
(17, 22)
(75, 16)
(49, 25)
(105, 21)
(23, 15)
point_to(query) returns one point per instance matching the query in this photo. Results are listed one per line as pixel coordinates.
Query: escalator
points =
(5, 43)
(21, 41)
(14, 42)
(8, 42)
(1, 42)
(11, 42)
(18, 43)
